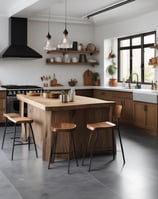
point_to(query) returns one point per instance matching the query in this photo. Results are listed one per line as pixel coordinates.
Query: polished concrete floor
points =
(28, 178)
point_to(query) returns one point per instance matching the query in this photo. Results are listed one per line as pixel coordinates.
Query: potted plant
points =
(96, 79)
(111, 70)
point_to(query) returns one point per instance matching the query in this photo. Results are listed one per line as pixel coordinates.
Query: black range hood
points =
(18, 40)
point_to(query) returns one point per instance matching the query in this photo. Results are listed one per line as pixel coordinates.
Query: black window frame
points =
(142, 46)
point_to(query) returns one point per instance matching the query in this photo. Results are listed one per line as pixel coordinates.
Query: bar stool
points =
(63, 128)
(16, 142)
(94, 133)
(6, 115)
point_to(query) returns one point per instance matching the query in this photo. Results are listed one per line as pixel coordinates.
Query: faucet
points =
(137, 84)
(129, 80)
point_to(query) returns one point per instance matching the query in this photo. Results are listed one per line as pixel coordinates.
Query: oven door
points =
(13, 105)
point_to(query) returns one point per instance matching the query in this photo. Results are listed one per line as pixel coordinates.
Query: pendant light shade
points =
(65, 41)
(48, 45)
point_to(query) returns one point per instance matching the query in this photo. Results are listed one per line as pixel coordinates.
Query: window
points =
(134, 53)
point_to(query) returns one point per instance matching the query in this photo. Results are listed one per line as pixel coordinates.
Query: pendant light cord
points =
(65, 14)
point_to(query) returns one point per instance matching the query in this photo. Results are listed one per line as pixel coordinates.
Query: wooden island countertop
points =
(46, 111)
(49, 104)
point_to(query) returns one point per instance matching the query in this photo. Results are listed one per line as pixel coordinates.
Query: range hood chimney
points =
(18, 40)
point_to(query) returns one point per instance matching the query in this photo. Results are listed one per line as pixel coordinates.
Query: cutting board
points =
(53, 82)
(88, 78)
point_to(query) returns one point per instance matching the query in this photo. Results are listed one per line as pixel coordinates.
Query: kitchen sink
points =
(145, 95)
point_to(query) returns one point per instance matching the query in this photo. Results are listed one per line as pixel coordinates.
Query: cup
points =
(75, 45)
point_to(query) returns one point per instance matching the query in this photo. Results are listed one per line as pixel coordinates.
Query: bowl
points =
(54, 94)
(72, 83)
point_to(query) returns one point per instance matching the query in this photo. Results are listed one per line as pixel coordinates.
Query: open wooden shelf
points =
(84, 52)
(72, 51)
(71, 63)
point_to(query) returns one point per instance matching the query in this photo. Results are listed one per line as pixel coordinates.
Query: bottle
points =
(123, 82)
(71, 95)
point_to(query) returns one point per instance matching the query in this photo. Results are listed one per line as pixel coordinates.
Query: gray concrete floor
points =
(28, 178)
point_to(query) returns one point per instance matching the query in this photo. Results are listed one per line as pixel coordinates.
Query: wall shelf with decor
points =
(154, 60)
(74, 57)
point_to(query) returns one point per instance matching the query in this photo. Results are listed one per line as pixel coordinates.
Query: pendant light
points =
(48, 45)
(65, 41)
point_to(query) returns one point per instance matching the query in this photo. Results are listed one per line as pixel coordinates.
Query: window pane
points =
(125, 42)
(136, 41)
(124, 64)
(149, 39)
(148, 69)
(136, 66)
(139, 61)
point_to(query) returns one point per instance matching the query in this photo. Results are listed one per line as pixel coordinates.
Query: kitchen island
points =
(46, 111)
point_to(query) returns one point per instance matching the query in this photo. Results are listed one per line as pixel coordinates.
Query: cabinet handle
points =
(145, 107)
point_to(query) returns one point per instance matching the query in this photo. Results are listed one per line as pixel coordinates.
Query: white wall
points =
(23, 71)
(29, 71)
(145, 23)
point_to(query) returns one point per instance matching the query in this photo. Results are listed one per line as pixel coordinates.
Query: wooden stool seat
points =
(6, 115)
(94, 127)
(17, 119)
(100, 125)
(62, 128)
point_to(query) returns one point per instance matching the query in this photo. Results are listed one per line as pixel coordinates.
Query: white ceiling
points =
(76, 10)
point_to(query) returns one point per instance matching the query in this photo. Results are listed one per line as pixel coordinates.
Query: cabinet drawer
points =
(122, 94)
(2, 94)
(2, 104)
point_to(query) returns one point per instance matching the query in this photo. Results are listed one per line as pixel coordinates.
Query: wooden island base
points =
(84, 110)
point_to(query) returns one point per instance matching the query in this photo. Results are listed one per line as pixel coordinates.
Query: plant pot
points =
(96, 83)
(112, 82)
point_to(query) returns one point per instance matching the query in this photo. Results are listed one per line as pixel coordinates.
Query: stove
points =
(12, 89)
(12, 103)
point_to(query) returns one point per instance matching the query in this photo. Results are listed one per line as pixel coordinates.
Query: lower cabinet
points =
(85, 92)
(146, 116)
(123, 98)
(2, 105)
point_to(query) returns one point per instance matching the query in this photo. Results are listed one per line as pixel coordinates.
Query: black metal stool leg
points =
(27, 136)
(72, 145)
(74, 149)
(95, 135)
(113, 144)
(86, 148)
(53, 149)
(33, 139)
(14, 138)
(123, 155)
(68, 168)
(4, 134)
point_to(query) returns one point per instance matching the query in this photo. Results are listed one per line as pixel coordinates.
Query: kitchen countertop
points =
(117, 88)
(48, 104)
(2, 89)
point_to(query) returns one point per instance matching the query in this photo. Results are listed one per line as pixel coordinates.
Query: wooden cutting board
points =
(88, 78)
(53, 82)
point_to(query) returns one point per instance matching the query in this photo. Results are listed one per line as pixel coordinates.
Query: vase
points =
(112, 82)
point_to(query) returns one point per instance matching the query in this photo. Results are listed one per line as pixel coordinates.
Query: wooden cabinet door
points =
(151, 116)
(145, 116)
(128, 111)
(139, 114)
(2, 105)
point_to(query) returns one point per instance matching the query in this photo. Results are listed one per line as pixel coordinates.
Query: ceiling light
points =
(109, 7)
(65, 41)
(48, 45)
